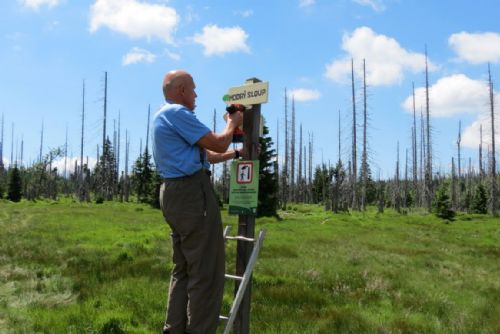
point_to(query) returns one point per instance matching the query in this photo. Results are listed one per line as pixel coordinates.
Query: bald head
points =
(173, 81)
(178, 86)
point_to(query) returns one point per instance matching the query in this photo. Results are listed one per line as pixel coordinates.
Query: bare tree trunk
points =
(292, 155)
(414, 148)
(354, 144)
(118, 146)
(105, 110)
(81, 194)
(481, 169)
(299, 178)
(285, 170)
(364, 156)
(428, 169)
(453, 184)
(311, 150)
(459, 193)
(397, 196)
(493, 159)
(405, 187)
(126, 180)
(423, 157)
(278, 174)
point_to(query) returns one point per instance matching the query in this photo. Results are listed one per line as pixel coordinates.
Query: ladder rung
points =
(238, 278)
(221, 317)
(241, 238)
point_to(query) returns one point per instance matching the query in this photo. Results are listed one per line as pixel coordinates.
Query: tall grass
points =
(83, 268)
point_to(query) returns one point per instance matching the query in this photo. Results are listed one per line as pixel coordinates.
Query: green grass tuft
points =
(67, 267)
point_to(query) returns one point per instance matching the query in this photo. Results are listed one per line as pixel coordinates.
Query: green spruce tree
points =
(15, 185)
(105, 176)
(268, 182)
(144, 179)
(442, 203)
(480, 200)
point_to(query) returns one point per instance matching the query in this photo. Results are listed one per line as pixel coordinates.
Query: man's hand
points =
(235, 119)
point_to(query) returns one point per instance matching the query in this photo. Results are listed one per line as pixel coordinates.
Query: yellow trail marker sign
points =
(254, 93)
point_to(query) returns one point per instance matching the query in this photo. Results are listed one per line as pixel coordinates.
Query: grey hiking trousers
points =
(190, 207)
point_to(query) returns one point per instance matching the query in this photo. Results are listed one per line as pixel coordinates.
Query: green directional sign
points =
(244, 187)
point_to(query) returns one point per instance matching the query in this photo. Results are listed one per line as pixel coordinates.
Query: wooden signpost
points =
(252, 94)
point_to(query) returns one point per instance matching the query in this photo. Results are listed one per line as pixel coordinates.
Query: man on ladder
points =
(183, 149)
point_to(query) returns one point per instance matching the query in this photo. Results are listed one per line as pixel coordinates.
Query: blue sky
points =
(50, 46)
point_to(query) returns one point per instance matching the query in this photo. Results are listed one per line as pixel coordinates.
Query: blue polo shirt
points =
(175, 133)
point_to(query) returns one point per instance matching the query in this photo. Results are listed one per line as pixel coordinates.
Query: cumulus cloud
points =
(376, 5)
(70, 164)
(306, 3)
(476, 48)
(36, 4)
(303, 94)
(217, 41)
(135, 19)
(452, 95)
(386, 60)
(471, 136)
(138, 55)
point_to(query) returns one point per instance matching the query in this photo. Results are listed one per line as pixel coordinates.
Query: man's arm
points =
(214, 157)
(219, 142)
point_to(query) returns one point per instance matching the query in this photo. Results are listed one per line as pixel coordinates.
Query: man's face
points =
(188, 94)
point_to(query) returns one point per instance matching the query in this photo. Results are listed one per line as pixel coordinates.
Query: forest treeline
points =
(289, 177)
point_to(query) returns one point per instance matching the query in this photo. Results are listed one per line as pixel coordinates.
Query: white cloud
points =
(386, 60)
(376, 5)
(306, 3)
(303, 94)
(172, 55)
(138, 55)
(217, 41)
(476, 48)
(471, 136)
(36, 4)
(70, 164)
(135, 19)
(452, 95)
(244, 13)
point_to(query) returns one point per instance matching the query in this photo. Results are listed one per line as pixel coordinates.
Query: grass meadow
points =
(67, 267)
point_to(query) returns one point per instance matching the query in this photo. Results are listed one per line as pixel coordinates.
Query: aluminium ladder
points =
(245, 279)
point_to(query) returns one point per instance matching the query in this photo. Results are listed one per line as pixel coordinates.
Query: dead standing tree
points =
(459, 192)
(81, 187)
(414, 148)
(428, 166)
(292, 155)
(284, 174)
(354, 170)
(364, 155)
(493, 159)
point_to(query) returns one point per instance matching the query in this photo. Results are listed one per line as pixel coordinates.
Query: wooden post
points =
(246, 223)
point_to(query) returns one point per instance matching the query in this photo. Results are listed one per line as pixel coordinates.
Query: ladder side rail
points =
(244, 282)
(227, 229)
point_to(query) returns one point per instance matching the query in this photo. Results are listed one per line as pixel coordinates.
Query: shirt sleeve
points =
(188, 126)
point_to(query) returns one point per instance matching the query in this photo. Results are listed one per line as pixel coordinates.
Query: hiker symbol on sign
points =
(244, 172)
